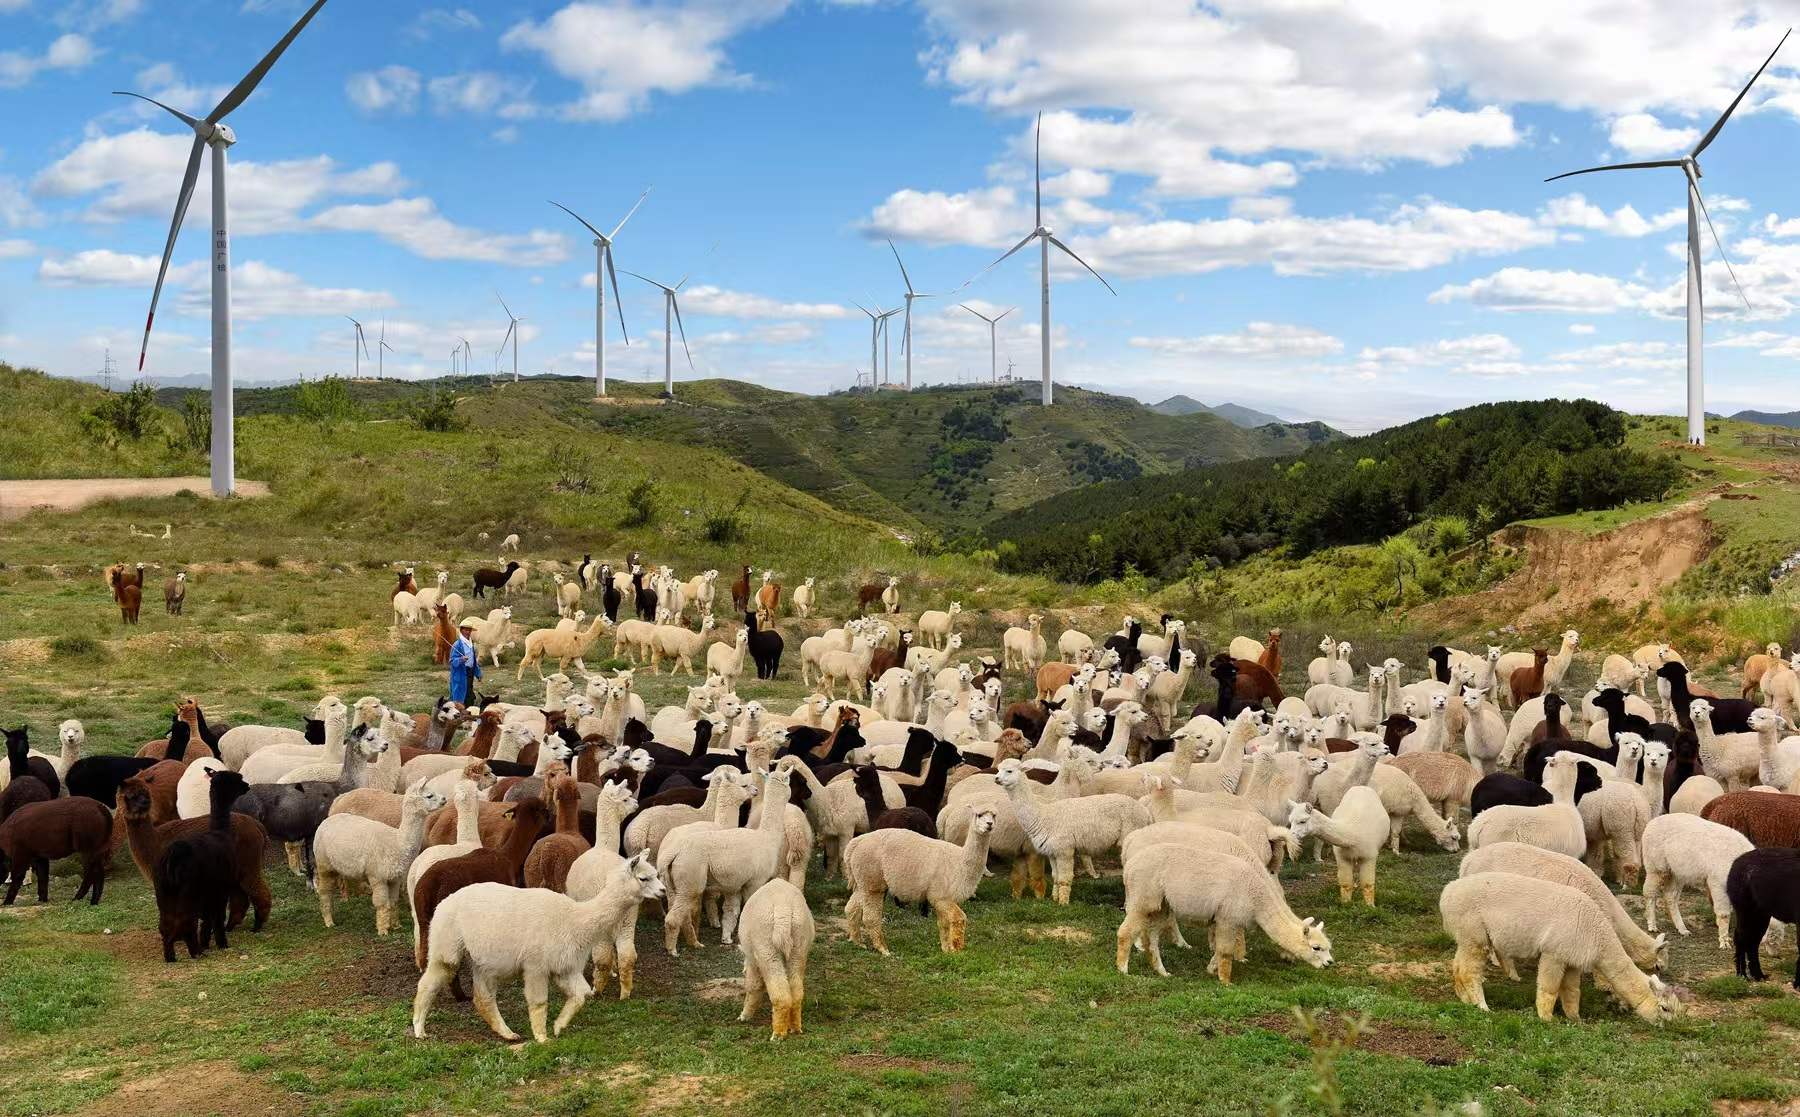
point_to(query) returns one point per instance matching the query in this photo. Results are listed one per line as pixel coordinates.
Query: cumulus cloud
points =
(416, 225)
(65, 52)
(991, 217)
(623, 52)
(1571, 292)
(1639, 133)
(14, 248)
(261, 291)
(102, 267)
(705, 299)
(433, 20)
(389, 89)
(1574, 211)
(1255, 340)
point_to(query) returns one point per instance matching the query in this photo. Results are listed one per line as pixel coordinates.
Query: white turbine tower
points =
(670, 308)
(877, 326)
(512, 332)
(359, 346)
(993, 349)
(603, 272)
(212, 132)
(1045, 238)
(1696, 210)
(887, 358)
(906, 330)
(382, 349)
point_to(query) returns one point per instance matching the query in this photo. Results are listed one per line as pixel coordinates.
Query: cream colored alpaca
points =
(915, 869)
(351, 847)
(1556, 825)
(562, 646)
(1356, 831)
(1061, 829)
(934, 625)
(1166, 883)
(1682, 850)
(775, 935)
(465, 800)
(1024, 648)
(1648, 951)
(733, 864)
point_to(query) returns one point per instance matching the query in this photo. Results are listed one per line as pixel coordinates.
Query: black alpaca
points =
(196, 878)
(1763, 884)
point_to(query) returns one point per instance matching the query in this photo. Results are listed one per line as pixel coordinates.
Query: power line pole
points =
(106, 371)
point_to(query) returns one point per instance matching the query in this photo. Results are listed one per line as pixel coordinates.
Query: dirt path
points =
(18, 498)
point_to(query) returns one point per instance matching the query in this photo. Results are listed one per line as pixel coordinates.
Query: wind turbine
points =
(603, 271)
(468, 356)
(876, 318)
(906, 332)
(212, 132)
(670, 307)
(887, 362)
(360, 340)
(512, 331)
(1045, 238)
(993, 350)
(382, 349)
(1696, 209)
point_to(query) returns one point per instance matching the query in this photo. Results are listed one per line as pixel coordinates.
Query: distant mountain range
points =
(1770, 418)
(1235, 413)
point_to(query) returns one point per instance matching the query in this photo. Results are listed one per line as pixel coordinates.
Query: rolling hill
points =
(1770, 418)
(1235, 412)
(945, 459)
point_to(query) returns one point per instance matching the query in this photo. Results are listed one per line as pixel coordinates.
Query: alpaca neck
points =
(1651, 782)
(1302, 790)
(1262, 774)
(335, 730)
(354, 771)
(1329, 829)
(1120, 740)
(1362, 769)
(568, 814)
(973, 864)
(1162, 804)
(616, 901)
(468, 817)
(1628, 769)
(1563, 793)
(727, 809)
(519, 840)
(146, 844)
(1276, 919)
(412, 831)
(1031, 820)
(607, 822)
(1182, 760)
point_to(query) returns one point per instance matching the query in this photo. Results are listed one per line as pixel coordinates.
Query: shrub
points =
(725, 525)
(437, 412)
(127, 415)
(640, 504)
(326, 402)
(571, 469)
(78, 647)
(196, 422)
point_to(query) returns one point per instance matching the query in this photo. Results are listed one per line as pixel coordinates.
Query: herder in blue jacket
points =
(465, 665)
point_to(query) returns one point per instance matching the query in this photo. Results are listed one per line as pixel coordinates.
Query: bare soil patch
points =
(20, 498)
(211, 1089)
(1059, 934)
(1426, 1045)
(873, 1062)
(719, 989)
(1788, 1108)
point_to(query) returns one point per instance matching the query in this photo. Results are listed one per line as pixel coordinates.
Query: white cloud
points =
(706, 299)
(1574, 211)
(1262, 207)
(622, 52)
(389, 89)
(1417, 235)
(93, 15)
(261, 291)
(16, 210)
(12, 249)
(1636, 355)
(1478, 350)
(1581, 327)
(1537, 289)
(1257, 340)
(432, 20)
(774, 333)
(1159, 149)
(136, 175)
(1078, 182)
(66, 52)
(1777, 226)
(1639, 133)
(416, 225)
(482, 92)
(102, 267)
(991, 217)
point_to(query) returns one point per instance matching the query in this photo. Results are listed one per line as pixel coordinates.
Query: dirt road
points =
(20, 497)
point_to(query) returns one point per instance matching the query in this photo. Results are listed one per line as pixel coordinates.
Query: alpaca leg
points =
(1653, 884)
(680, 909)
(431, 983)
(1063, 874)
(853, 918)
(1365, 877)
(1549, 986)
(603, 964)
(625, 951)
(943, 922)
(1221, 943)
(1018, 876)
(488, 1009)
(1346, 874)
(1721, 905)
(733, 902)
(1394, 828)
(1087, 866)
(1242, 951)
(753, 991)
(959, 927)
(1751, 926)
(1466, 972)
(327, 881)
(1674, 900)
(293, 858)
(874, 913)
(1571, 993)
(379, 899)
(797, 990)
(780, 998)
(537, 1003)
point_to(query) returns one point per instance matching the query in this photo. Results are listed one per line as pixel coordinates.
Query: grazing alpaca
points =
(443, 634)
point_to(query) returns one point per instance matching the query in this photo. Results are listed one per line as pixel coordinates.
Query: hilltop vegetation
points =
(941, 460)
(1486, 466)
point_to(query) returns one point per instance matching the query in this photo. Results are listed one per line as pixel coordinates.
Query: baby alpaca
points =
(775, 936)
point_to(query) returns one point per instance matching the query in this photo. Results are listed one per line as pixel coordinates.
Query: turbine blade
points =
(1712, 133)
(645, 278)
(1721, 247)
(1004, 313)
(578, 217)
(1070, 252)
(241, 92)
(976, 313)
(176, 113)
(628, 213)
(618, 299)
(683, 329)
(903, 276)
(862, 308)
(1002, 260)
(1037, 176)
(1617, 167)
(506, 308)
(362, 340)
(181, 204)
(506, 338)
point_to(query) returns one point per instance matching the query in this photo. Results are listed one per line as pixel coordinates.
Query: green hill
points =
(1236, 412)
(1488, 465)
(943, 458)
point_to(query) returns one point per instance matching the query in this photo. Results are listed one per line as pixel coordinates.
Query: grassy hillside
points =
(1487, 465)
(946, 459)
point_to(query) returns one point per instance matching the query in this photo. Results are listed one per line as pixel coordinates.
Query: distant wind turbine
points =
(887, 358)
(1696, 210)
(876, 318)
(1045, 238)
(603, 272)
(359, 347)
(512, 331)
(382, 349)
(906, 346)
(993, 350)
(670, 308)
(214, 133)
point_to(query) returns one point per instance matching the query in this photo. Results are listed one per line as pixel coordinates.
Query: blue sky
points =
(1330, 211)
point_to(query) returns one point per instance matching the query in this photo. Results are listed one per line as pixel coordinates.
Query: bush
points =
(196, 422)
(570, 468)
(127, 415)
(438, 413)
(78, 647)
(725, 525)
(326, 402)
(640, 504)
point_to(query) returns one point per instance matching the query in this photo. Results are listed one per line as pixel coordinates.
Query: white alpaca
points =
(1556, 825)
(1024, 648)
(729, 863)
(775, 935)
(1682, 850)
(803, 597)
(1061, 829)
(351, 847)
(915, 869)
(934, 625)
(1356, 831)
(533, 932)
(1648, 951)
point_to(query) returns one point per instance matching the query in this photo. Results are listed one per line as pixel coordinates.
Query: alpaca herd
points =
(528, 840)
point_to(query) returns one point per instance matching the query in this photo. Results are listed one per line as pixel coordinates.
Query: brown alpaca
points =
(547, 866)
(884, 658)
(148, 837)
(188, 712)
(502, 862)
(1052, 677)
(768, 601)
(1256, 683)
(496, 823)
(870, 591)
(49, 830)
(443, 634)
(131, 598)
(740, 592)
(1270, 660)
(406, 585)
(1528, 682)
(159, 781)
(487, 732)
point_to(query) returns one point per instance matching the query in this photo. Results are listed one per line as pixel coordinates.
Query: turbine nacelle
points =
(221, 134)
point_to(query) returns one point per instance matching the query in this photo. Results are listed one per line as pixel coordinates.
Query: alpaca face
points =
(1318, 947)
(643, 874)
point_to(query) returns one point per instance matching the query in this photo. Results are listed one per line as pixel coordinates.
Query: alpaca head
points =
(1132, 714)
(443, 578)
(134, 794)
(1573, 639)
(1700, 710)
(1344, 649)
(71, 734)
(1010, 773)
(369, 742)
(1763, 718)
(1326, 645)
(954, 642)
(1318, 947)
(1656, 758)
(1473, 697)
(640, 873)
(983, 822)
(1631, 747)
